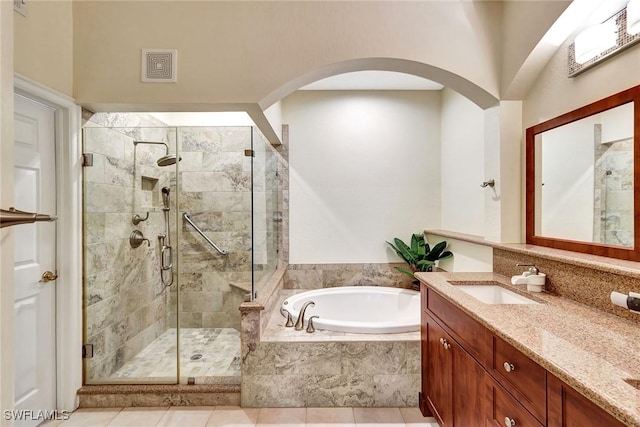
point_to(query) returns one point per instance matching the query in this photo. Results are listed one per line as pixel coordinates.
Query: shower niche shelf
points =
(150, 194)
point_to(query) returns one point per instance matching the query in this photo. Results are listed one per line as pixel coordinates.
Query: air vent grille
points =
(159, 65)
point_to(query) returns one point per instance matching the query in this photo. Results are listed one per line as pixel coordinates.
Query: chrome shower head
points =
(168, 160)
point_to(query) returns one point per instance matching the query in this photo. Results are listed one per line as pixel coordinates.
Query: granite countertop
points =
(590, 350)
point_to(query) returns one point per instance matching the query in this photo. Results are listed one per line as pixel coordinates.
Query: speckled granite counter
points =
(590, 350)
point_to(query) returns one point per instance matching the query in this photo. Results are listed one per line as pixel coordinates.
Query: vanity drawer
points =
(505, 410)
(523, 377)
(474, 337)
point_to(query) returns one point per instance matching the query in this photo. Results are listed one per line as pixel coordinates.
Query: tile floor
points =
(204, 353)
(234, 416)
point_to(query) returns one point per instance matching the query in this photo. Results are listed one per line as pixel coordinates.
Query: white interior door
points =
(35, 191)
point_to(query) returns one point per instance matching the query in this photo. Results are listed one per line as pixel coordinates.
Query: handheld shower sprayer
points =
(166, 251)
(165, 197)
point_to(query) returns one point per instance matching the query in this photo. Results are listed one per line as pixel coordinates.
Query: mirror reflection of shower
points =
(166, 251)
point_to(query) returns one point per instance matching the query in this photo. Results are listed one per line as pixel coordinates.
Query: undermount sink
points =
(494, 294)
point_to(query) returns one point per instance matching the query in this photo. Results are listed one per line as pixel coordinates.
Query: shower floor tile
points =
(210, 355)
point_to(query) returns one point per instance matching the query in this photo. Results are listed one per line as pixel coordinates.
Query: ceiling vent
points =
(159, 65)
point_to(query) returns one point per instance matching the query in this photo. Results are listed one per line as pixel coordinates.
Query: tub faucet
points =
(300, 322)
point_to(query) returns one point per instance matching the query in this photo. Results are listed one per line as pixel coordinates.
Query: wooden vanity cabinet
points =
(568, 408)
(472, 378)
(454, 400)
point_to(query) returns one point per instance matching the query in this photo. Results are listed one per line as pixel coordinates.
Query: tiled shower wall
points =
(613, 188)
(125, 308)
(215, 188)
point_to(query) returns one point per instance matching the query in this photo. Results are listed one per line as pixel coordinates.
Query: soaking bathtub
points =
(359, 309)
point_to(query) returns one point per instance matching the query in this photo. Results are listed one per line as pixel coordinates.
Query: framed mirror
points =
(583, 179)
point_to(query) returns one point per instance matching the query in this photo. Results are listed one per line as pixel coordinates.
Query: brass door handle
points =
(48, 276)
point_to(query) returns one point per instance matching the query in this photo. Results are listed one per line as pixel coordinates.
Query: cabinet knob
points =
(509, 422)
(442, 341)
(509, 367)
(446, 345)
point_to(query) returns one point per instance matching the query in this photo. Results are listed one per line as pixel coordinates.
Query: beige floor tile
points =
(91, 417)
(285, 417)
(191, 416)
(330, 417)
(138, 417)
(233, 416)
(378, 417)
(413, 418)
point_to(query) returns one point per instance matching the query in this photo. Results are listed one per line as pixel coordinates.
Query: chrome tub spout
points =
(300, 322)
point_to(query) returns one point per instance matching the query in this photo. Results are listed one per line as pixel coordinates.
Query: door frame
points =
(69, 237)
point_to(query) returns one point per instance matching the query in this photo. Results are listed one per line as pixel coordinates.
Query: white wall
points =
(567, 168)
(462, 131)
(242, 51)
(364, 168)
(44, 44)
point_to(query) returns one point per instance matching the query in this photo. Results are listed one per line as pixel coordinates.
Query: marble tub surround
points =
(592, 351)
(317, 276)
(286, 374)
(286, 368)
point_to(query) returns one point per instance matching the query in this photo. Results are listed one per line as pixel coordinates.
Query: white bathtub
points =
(359, 309)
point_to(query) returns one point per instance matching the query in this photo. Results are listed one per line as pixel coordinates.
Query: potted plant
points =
(419, 255)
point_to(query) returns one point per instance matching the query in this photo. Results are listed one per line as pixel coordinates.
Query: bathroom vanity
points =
(551, 362)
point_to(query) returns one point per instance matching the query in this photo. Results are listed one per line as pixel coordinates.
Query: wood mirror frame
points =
(627, 253)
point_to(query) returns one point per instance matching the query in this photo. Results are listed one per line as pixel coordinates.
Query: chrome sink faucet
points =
(300, 322)
(532, 268)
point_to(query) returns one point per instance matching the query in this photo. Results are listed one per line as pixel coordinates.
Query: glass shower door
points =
(130, 336)
(215, 192)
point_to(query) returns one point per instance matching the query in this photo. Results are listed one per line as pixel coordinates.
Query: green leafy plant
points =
(419, 255)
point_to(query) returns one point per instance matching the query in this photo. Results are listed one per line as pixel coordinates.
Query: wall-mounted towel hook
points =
(137, 219)
(491, 183)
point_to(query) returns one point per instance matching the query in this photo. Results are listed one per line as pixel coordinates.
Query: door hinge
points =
(87, 351)
(87, 159)
(249, 153)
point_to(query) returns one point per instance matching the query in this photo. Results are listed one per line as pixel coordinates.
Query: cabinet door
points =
(469, 399)
(568, 408)
(439, 366)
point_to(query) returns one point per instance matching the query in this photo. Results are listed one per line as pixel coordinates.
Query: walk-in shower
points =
(167, 311)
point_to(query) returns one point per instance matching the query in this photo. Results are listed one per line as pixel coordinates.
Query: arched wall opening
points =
(368, 166)
(468, 89)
